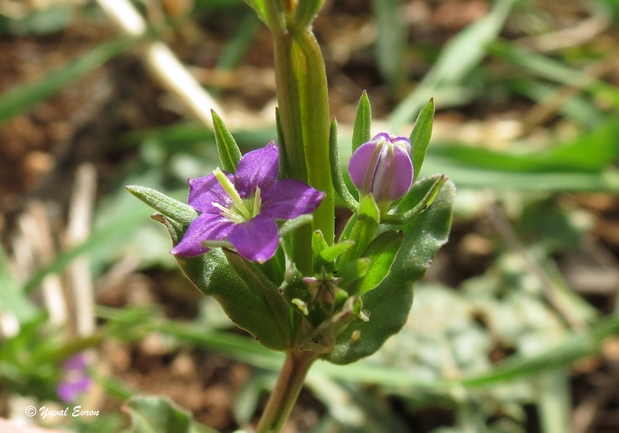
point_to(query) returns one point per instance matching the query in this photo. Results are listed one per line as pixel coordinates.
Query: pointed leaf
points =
(167, 206)
(420, 136)
(361, 229)
(353, 271)
(362, 130)
(336, 171)
(229, 152)
(382, 253)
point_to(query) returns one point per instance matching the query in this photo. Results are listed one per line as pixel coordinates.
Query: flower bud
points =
(382, 167)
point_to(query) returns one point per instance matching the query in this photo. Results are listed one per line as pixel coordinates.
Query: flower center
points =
(242, 209)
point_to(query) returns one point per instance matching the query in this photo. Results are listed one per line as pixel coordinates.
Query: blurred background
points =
(514, 329)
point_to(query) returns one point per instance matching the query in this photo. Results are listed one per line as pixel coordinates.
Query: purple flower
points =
(382, 167)
(241, 208)
(75, 379)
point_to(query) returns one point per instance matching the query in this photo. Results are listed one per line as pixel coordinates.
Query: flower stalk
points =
(287, 389)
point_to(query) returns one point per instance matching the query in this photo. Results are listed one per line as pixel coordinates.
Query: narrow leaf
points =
(362, 228)
(336, 171)
(420, 136)
(229, 152)
(382, 253)
(362, 129)
(353, 271)
(334, 251)
(168, 206)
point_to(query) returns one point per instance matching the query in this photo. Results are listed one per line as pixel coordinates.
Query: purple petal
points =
(394, 174)
(203, 191)
(75, 363)
(70, 389)
(256, 239)
(257, 168)
(207, 227)
(290, 198)
(363, 165)
(381, 136)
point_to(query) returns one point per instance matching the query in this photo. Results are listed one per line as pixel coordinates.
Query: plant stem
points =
(304, 112)
(287, 389)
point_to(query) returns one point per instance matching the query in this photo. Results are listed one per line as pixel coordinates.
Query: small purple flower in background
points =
(382, 167)
(241, 208)
(76, 380)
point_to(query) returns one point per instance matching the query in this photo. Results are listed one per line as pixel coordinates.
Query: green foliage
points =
(455, 61)
(362, 128)
(420, 136)
(390, 302)
(151, 414)
(228, 150)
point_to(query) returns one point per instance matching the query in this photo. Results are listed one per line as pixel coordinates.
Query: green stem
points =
(289, 385)
(304, 113)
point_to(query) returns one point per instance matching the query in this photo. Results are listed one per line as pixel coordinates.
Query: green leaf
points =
(262, 287)
(420, 136)
(229, 152)
(334, 251)
(25, 96)
(153, 414)
(167, 206)
(11, 297)
(409, 201)
(353, 271)
(362, 129)
(361, 229)
(390, 303)
(336, 171)
(246, 306)
(382, 253)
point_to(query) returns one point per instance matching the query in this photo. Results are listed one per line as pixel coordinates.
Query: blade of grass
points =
(555, 71)
(464, 52)
(390, 41)
(11, 297)
(23, 97)
(572, 348)
(575, 108)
